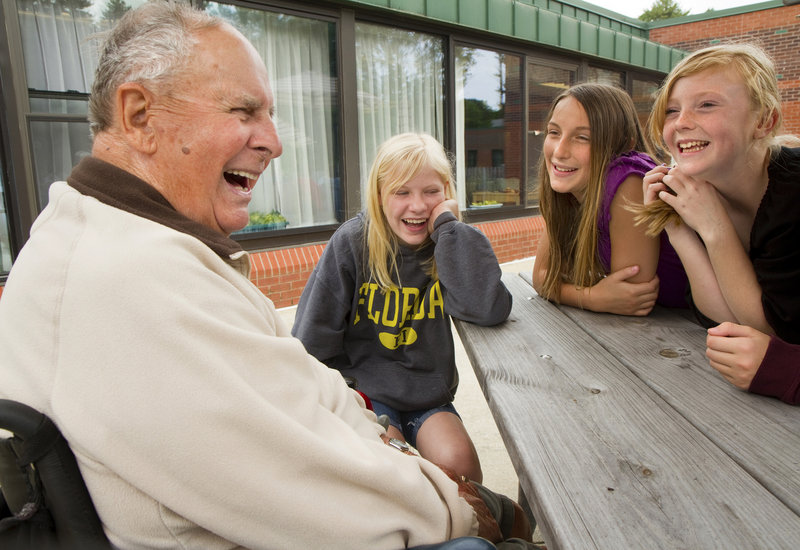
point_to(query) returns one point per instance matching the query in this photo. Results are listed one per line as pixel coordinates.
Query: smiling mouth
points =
(563, 170)
(414, 222)
(240, 178)
(692, 146)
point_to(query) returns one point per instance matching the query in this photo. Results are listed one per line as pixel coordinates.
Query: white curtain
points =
(301, 183)
(400, 87)
(58, 57)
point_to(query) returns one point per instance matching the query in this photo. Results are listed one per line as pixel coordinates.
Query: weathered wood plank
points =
(668, 354)
(606, 462)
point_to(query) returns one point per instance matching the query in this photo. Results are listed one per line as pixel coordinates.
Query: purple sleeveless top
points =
(672, 278)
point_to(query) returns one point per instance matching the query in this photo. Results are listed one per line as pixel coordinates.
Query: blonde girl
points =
(377, 306)
(729, 205)
(592, 256)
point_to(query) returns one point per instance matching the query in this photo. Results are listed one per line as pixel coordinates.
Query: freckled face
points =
(409, 207)
(710, 123)
(567, 148)
(216, 132)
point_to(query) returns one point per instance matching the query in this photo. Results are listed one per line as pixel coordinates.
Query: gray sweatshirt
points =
(398, 344)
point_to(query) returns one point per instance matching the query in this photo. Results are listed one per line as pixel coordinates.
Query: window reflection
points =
(488, 128)
(545, 83)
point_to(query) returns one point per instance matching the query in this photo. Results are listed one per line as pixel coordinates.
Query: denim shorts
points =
(409, 422)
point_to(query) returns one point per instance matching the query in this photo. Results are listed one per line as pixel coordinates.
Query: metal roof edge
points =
(525, 21)
(716, 14)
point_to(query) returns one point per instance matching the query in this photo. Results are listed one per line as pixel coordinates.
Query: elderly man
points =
(129, 319)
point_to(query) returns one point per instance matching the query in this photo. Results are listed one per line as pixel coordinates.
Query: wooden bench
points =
(623, 436)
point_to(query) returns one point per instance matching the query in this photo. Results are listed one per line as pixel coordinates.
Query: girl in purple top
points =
(593, 256)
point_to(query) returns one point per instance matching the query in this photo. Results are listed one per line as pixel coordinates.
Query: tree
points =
(115, 9)
(663, 9)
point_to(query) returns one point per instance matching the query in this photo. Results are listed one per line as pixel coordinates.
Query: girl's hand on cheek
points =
(448, 205)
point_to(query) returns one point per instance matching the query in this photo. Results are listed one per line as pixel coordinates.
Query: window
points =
(60, 138)
(5, 240)
(5, 203)
(545, 83)
(302, 187)
(498, 158)
(644, 92)
(60, 60)
(606, 76)
(400, 86)
(489, 122)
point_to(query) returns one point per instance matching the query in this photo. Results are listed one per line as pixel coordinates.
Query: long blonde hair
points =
(398, 160)
(757, 72)
(572, 226)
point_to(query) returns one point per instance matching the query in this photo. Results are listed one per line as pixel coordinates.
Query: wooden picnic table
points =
(624, 437)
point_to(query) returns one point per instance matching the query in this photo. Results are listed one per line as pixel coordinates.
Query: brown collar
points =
(115, 187)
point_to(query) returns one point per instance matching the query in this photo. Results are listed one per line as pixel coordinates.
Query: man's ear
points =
(134, 102)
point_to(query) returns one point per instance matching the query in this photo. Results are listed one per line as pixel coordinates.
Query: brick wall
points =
(282, 274)
(777, 30)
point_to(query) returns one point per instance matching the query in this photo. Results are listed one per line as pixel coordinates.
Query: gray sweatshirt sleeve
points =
(323, 310)
(469, 273)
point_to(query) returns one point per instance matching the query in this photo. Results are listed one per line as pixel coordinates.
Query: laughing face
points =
(216, 132)
(409, 207)
(710, 124)
(567, 148)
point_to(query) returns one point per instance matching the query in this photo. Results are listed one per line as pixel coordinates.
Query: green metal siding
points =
(501, 16)
(588, 37)
(549, 24)
(472, 13)
(526, 22)
(446, 10)
(573, 26)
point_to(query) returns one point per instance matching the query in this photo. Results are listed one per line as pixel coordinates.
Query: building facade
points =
(479, 75)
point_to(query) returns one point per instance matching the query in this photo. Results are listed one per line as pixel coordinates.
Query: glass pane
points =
(56, 148)
(5, 241)
(544, 85)
(400, 83)
(644, 92)
(78, 107)
(59, 55)
(302, 187)
(606, 76)
(488, 128)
